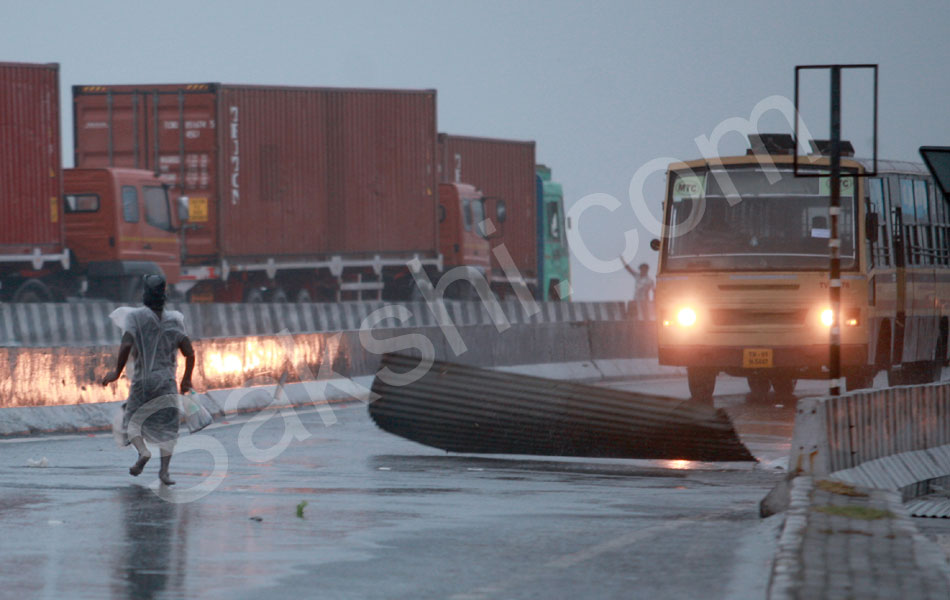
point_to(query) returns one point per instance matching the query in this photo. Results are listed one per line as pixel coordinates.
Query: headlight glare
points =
(686, 317)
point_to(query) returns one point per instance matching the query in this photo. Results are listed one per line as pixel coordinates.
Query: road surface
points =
(385, 517)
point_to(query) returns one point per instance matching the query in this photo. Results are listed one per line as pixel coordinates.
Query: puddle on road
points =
(553, 465)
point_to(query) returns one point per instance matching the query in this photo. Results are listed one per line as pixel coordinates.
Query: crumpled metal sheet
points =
(937, 509)
(461, 408)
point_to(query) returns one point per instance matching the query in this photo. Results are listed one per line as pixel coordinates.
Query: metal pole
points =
(834, 243)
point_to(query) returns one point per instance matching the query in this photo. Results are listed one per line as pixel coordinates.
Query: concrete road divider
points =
(54, 377)
(88, 324)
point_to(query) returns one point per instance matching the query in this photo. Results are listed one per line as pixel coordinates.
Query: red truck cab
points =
(461, 243)
(119, 226)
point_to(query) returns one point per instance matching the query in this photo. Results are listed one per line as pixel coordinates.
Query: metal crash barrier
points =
(461, 408)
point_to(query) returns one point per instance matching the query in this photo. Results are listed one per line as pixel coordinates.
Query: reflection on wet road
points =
(386, 518)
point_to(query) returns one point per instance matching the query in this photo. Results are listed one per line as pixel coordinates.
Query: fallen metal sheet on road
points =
(459, 408)
(930, 508)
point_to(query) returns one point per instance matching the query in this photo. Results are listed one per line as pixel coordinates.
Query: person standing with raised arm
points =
(643, 290)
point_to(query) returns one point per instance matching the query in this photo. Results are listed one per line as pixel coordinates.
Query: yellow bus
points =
(742, 283)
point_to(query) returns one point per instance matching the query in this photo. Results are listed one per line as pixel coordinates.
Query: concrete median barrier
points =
(57, 377)
(88, 324)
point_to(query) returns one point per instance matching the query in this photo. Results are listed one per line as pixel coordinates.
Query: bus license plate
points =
(756, 358)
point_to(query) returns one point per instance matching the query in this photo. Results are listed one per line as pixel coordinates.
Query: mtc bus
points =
(742, 284)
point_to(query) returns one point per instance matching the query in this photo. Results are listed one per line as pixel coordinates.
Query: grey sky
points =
(603, 87)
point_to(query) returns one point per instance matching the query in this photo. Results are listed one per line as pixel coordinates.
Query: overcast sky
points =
(603, 87)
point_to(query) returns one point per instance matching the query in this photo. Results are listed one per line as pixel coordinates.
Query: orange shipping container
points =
(30, 169)
(277, 171)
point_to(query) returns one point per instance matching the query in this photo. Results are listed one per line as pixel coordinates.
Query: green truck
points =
(554, 259)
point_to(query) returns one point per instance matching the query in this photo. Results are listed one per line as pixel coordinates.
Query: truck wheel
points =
(702, 384)
(758, 387)
(303, 297)
(277, 296)
(33, 290)
(131, 289)
(254, 296)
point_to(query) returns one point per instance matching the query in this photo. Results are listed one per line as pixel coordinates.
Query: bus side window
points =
(922, 195)
(907, 200)
(939, 210)
(911, 231)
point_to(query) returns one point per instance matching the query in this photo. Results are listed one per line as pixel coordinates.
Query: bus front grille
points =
(727, 317)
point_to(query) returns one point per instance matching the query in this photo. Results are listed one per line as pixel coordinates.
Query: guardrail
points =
(895, 438)
(88, 324)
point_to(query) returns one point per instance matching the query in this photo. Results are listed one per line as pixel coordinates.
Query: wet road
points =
(386, 518)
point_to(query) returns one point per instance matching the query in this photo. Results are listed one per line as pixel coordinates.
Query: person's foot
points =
(164, 478)
(136, 469)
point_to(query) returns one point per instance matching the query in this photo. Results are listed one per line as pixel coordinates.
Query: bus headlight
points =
(827, 317)
(686, 317)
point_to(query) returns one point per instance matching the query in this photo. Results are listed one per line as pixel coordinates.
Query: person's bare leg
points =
(136, 469)
(163, 470)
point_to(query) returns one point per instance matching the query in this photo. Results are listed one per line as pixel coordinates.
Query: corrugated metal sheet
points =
(30, 165)
(286, 171)
(502, 169)
(460, 408)
(933, 508)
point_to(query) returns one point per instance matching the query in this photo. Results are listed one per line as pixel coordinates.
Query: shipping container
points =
(502, 170)
(30, 168)
(310, 177)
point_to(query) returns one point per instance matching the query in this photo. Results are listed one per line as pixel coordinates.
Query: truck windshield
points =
(156, 207)
(748, 218)
(474, 213)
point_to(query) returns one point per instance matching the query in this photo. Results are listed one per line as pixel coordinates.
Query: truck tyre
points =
(759, 386)
(303, 297)
(277, 296)
(702, 384)
(33, 290)
(131, 289)
(254, 295)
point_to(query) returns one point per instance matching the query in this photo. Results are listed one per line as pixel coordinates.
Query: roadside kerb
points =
(842, 541)
(865, 450)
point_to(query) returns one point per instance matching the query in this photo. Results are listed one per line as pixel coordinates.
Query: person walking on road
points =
(154, 337)
(643, 291)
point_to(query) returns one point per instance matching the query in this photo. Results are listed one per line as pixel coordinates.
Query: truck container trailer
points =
(38, 259)
(31, 236)
(292, 193)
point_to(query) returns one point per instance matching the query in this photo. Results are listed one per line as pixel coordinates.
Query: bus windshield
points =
(750, 218)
